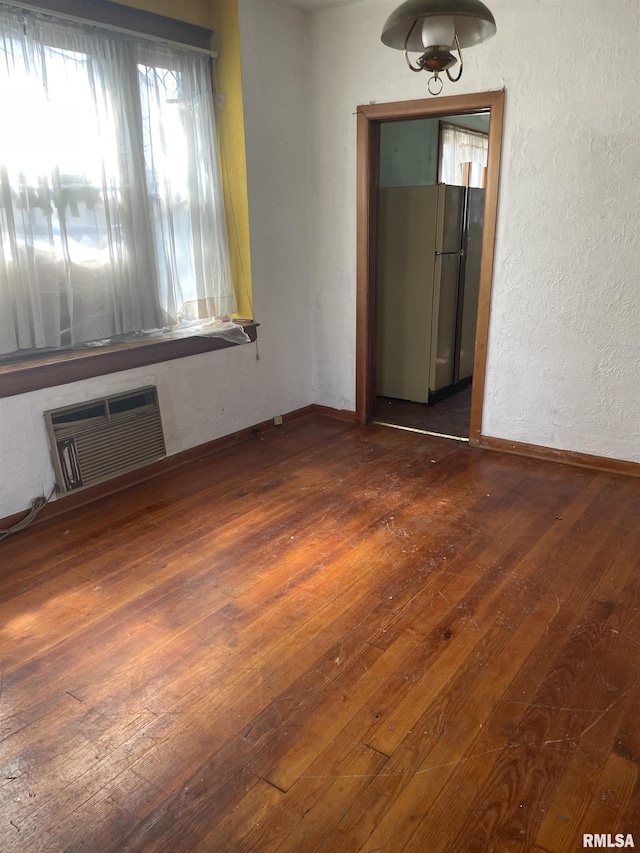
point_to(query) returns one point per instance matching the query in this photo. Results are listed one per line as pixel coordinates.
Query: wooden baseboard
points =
(336, 414)
(566, 457)
(163, 466)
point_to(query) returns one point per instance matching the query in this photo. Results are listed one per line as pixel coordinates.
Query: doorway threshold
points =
(421, 431)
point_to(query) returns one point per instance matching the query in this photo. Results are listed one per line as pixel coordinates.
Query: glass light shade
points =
(438, 31)
(473, 22)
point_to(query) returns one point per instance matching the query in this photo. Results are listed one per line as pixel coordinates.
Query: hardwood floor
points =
(327, 638)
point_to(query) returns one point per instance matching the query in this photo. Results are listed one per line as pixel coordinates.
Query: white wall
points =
(201, 398)
(275, 82)
(210, 395)
(564, 344)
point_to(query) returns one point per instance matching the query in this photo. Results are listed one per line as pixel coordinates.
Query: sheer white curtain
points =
(111, 212)
(461, 146)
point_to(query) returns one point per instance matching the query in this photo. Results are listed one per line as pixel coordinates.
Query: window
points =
(463, 156)
(111, 211)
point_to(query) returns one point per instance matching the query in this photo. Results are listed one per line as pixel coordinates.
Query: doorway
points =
(370, 119)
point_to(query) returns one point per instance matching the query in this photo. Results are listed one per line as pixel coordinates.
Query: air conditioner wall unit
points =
(100, 439)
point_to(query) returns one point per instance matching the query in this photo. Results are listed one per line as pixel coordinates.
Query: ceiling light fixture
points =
(435, 28)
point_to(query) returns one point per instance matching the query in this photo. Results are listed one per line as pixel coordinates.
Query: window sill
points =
(71, 366)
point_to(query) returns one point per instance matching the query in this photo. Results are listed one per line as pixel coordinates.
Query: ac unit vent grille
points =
(101, 439)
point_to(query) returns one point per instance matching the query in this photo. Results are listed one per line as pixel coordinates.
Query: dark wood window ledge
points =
(52, 369)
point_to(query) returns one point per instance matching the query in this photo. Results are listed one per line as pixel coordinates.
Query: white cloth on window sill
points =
(213, 328)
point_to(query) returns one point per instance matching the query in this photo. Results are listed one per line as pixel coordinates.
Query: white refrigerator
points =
(427, 296)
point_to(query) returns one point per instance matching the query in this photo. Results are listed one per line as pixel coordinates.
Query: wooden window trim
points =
(464, 127)
(443, 123)
(127, 17)
(59, 368)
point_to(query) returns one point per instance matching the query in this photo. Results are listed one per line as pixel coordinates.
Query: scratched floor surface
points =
(332, 639)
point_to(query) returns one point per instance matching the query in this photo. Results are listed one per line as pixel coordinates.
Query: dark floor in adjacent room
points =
(450, 416)
(326, 638)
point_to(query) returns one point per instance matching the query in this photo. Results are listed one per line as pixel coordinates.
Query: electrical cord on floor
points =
(36, 505)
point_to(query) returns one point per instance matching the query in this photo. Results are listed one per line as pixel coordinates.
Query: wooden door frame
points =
(370, 118)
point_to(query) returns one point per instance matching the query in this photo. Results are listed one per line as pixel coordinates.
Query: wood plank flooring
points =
(327, 638)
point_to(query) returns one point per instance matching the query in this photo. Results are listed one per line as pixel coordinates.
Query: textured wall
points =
(275, 80)
(564, 344)
(201, 398)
